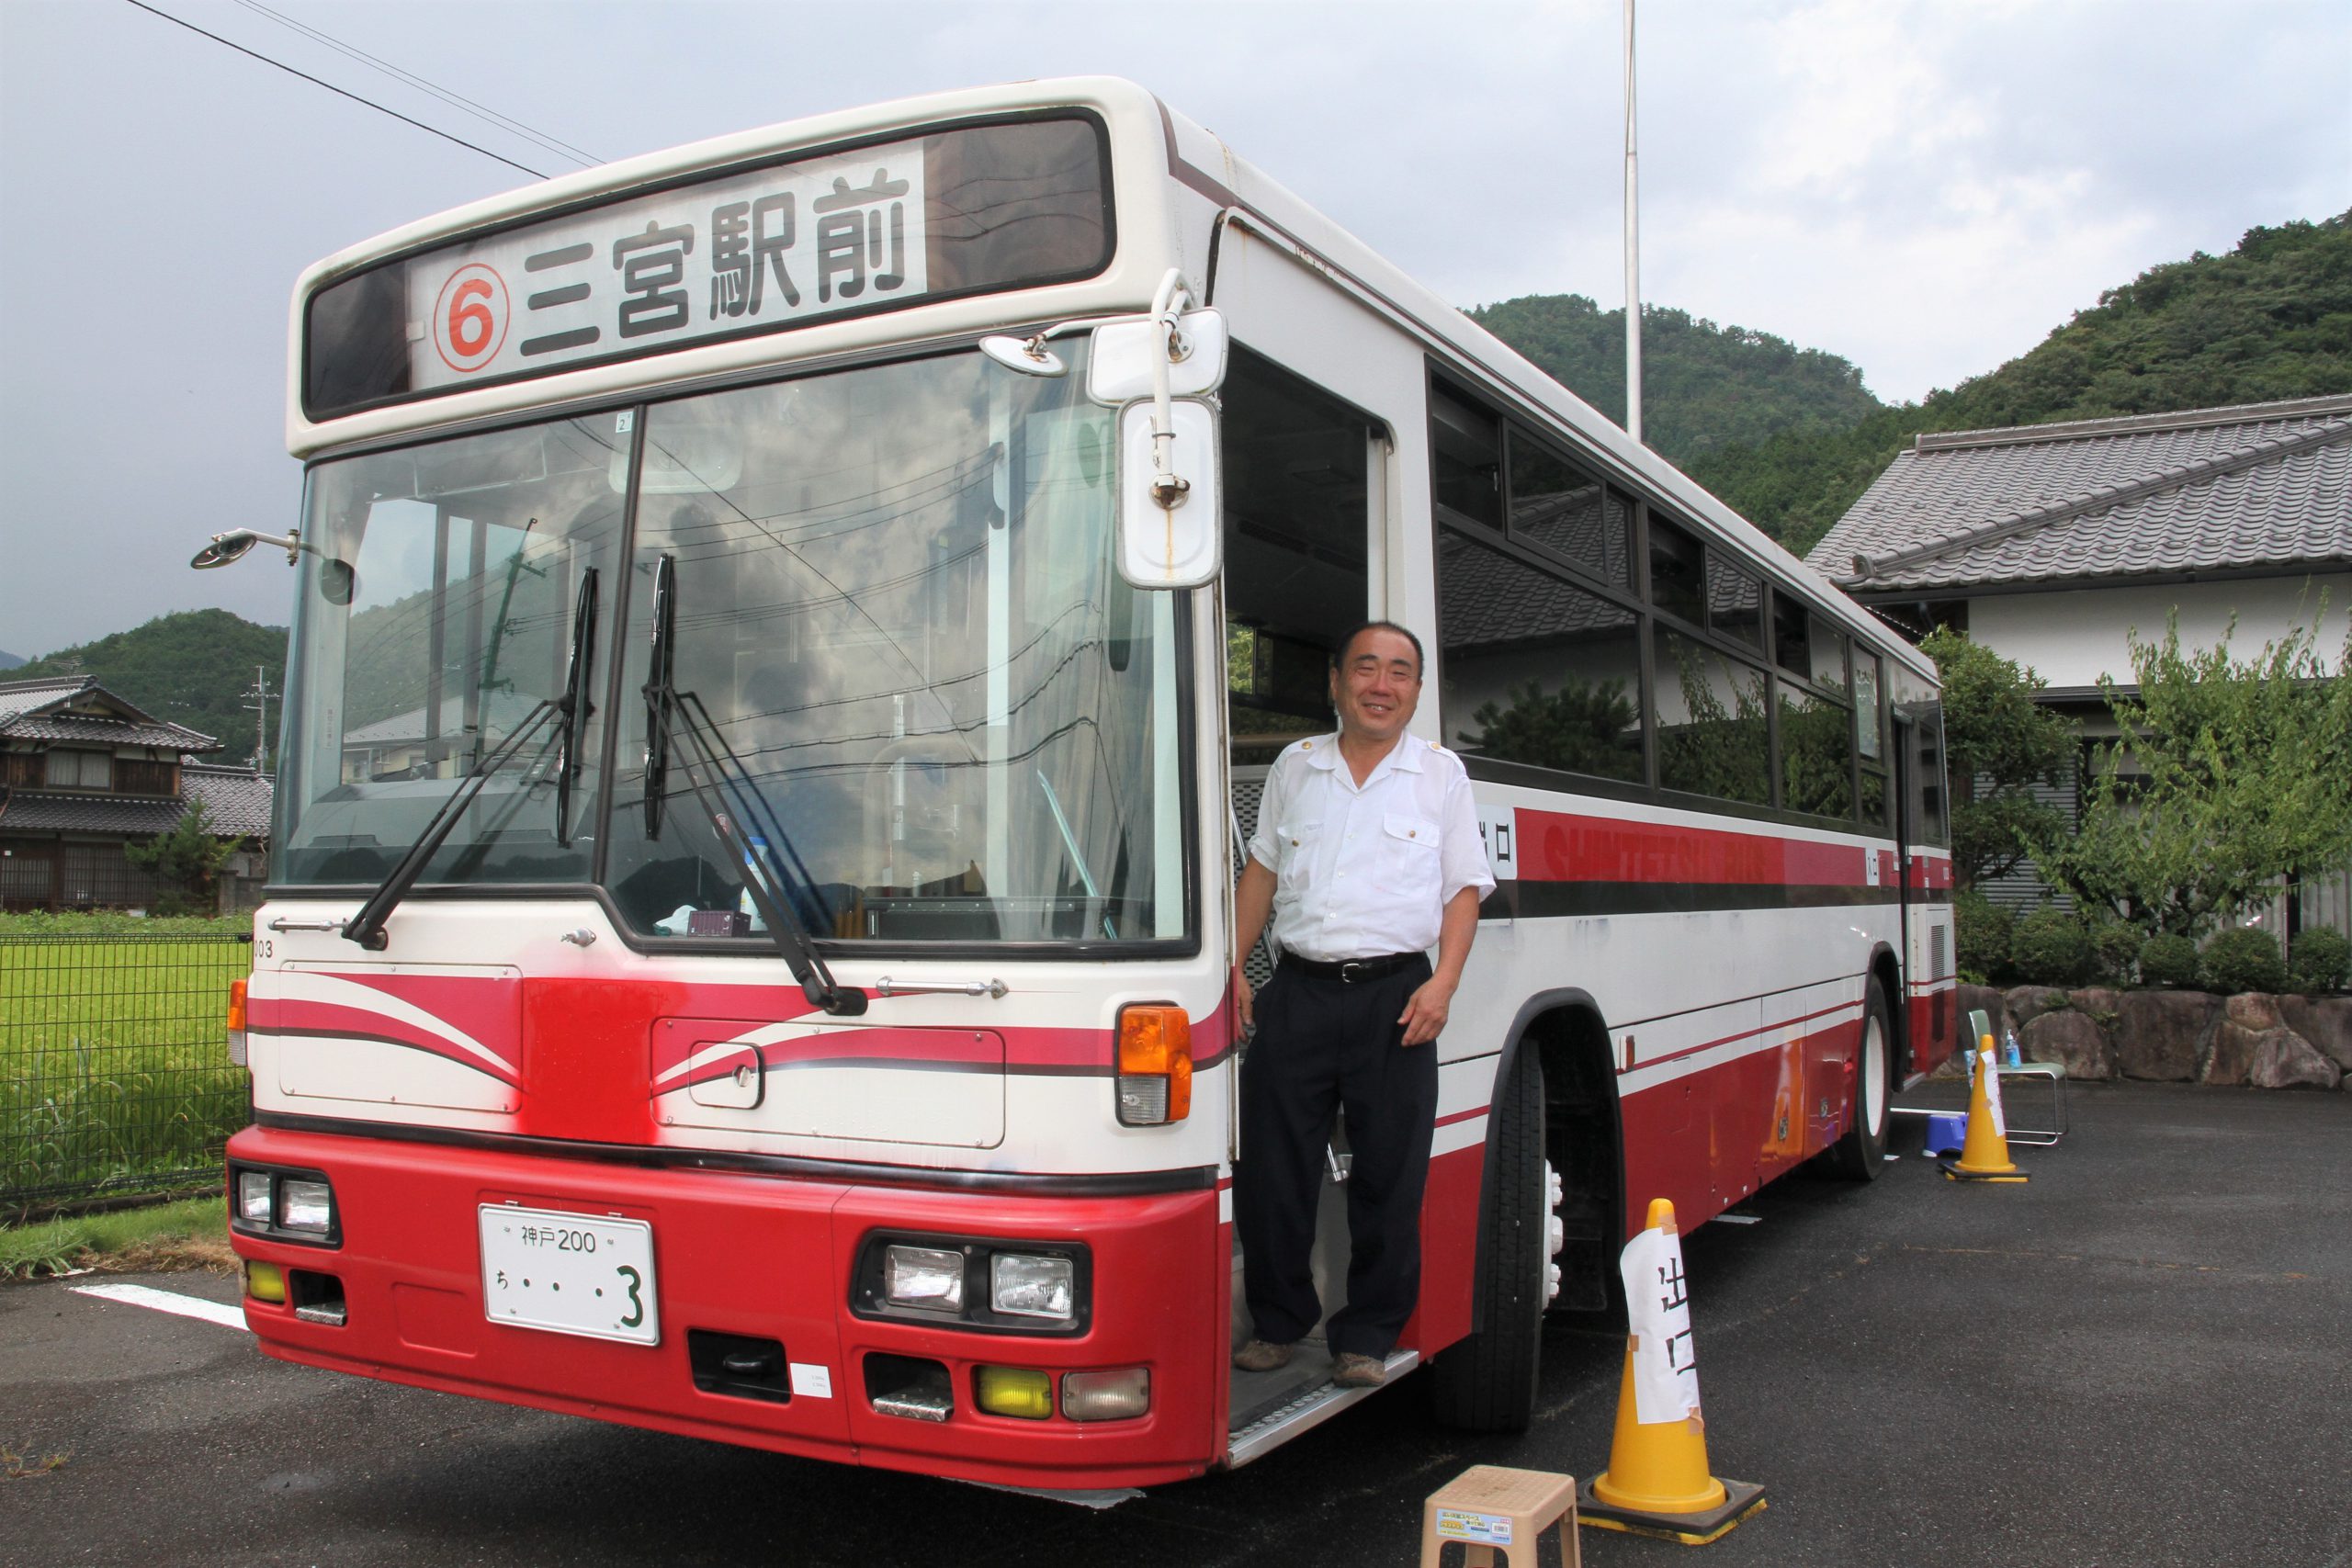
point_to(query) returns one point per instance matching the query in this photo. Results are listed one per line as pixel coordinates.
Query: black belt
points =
(1351, 971)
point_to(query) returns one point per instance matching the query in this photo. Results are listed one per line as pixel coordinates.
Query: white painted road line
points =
(168, 1301)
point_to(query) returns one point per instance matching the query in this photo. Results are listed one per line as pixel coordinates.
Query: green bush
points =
(2244, 958)
(1981, 935)
(2166, 959)
(2050, 947)
(2323, 961)
(2116, 947)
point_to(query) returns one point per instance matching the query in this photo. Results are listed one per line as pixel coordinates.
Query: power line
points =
(340, 92)
(455, 100)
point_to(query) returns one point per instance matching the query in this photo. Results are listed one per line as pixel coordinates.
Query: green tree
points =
(1999, 742)
(2228, 776)
(187, 861)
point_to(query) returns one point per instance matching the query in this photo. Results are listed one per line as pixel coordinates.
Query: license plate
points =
(569, 1273)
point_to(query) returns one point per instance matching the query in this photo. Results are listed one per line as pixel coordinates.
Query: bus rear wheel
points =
(1486, 1382)
(1860, 1155)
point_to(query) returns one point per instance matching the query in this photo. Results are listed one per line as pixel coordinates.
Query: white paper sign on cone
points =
(1993, 1092)
(1658, 1313)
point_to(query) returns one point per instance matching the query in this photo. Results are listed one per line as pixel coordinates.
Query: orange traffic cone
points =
(1985, 1156)
(1657, 1482)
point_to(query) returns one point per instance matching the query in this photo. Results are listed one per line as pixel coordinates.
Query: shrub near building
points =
(2244, 958)
(2050, 948)
(2323, 961)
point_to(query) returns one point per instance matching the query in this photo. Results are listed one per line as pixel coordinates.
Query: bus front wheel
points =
(1486, 1382)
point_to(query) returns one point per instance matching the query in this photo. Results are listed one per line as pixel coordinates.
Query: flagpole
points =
(1633, 250)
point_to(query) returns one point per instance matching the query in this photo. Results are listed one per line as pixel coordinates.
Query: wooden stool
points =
(1487, 1506)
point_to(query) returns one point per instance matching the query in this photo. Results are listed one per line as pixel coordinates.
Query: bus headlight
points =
(1024, 1286)
(923, 1277)
(305, 1205)
(284, 1205)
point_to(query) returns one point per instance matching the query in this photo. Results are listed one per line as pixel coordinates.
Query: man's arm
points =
(1253, 900)
(1425, 1009)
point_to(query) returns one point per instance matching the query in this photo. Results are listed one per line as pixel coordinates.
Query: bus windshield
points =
(917, 685)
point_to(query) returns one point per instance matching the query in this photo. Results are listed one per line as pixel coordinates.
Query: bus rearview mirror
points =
(1170, 512)
(1119, 367)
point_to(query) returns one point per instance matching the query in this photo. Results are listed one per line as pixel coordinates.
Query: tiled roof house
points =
(2047, 542)
(2050, 543)
(83, 771)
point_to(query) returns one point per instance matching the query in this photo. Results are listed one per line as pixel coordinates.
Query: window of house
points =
(80, 770)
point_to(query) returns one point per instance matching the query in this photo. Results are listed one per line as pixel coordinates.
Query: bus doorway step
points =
(1293, 1398)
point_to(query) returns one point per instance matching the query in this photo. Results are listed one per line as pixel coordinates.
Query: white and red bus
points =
(787, 637)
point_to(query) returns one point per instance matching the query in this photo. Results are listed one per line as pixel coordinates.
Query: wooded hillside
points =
(193, 668)
(2270, 319)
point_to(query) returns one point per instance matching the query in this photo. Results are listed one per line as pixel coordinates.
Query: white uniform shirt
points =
(1363, 871)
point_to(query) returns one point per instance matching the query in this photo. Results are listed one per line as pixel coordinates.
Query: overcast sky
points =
(1924, 187)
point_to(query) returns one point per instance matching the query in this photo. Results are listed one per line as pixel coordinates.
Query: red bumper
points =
(768, 1256)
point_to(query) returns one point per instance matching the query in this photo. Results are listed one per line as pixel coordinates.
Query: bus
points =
(788, 635)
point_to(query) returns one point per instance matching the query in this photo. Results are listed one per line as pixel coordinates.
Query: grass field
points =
(190, 1234)
(114, 1070)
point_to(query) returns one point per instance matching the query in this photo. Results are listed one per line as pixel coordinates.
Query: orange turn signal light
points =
(1155, 1064)
(237, 1007)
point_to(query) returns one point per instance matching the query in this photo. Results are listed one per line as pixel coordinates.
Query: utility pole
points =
(1633, 252)
(259, 708)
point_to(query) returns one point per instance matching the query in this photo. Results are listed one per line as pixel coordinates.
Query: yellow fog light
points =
(1120, 1395)
(266, 1282)
(1016, 1391)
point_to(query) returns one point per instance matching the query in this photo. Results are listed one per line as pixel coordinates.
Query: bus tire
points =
(1486, 1382)
(1860, 1155)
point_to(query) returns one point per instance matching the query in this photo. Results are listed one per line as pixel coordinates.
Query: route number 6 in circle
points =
(470, 317)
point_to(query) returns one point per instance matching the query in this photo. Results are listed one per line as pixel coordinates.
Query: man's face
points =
(1376, 686)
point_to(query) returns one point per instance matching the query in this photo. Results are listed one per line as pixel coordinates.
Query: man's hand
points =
(1425, 1011)
(1244, 999)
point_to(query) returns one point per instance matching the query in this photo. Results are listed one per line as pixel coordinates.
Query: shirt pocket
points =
(1410, 870)
(1296, 844)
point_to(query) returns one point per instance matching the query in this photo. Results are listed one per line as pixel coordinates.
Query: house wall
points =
(2071, 639)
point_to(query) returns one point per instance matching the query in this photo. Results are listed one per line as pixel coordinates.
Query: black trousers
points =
(1323, 1044)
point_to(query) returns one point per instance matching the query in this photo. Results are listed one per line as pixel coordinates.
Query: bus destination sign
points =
(661, 271)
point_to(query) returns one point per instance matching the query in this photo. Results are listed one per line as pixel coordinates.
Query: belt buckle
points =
(1353, 970)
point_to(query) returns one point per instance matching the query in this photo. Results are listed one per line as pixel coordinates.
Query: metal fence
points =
(114, 1062)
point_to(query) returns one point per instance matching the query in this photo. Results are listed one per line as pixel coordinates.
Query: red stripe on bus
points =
(1555, 846)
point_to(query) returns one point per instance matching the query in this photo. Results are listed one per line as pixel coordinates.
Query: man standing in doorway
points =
(1366, 855)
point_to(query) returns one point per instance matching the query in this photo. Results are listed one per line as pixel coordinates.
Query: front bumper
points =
(765, 1257)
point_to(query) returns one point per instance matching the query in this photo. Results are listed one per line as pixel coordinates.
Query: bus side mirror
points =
(1170, 518)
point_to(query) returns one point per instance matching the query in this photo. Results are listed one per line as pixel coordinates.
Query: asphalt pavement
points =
(2144, 1357)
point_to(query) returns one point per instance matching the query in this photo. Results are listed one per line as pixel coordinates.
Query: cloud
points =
(1926, 189)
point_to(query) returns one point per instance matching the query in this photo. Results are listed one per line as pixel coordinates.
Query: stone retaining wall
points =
(2174, 1036)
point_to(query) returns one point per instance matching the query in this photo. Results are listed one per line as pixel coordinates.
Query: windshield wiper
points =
(778, 884)
(367, 926)
(575, 705)
(767, 880)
